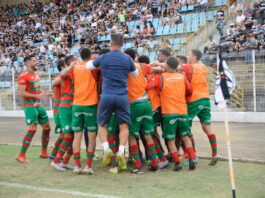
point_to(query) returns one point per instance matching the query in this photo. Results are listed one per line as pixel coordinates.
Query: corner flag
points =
(225, 84)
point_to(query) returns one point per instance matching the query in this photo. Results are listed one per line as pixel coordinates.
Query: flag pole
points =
(230, 161)
(226, 95)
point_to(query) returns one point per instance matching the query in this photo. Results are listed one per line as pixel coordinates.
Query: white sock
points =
(121, 149)
(105, 146)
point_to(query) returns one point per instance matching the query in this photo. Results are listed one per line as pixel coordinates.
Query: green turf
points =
(205, 181)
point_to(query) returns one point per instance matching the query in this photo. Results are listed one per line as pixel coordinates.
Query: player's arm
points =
(147, 69)
(155, 82)
(65, 71)
(188, 87)
(56, 82)
(94, 64)
(23, 93)
(133, 70)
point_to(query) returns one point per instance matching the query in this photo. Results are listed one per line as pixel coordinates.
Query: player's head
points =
(182, 59)
(60, 65)
(163, 55)
(130, 52)
(94, 55)
(116, 41)
(31, 62)
(143, 59)
(69, 59)
(104, 51)
(85, 54)
(172, 64)
(194, 56)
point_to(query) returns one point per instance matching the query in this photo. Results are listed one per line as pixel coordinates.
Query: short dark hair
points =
(85, 53)
(28, 58)
(143, 59)
(68, 58)
(117, 39)
(131, 52)
(94, 52)
(197, 54)
(165, 52)
(183, 58)
(60, 64)
(172, 62)
(104, 51)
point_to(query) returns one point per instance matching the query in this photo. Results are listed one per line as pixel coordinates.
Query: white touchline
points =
(37, 188)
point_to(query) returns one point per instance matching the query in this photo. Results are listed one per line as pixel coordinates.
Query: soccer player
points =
(115, 67)
(173, 89)
(154, 98)
(94, 55)
(162, 57)
(57, 99)
(29, 91)
(84, 109)
(199, 102)
(141, 115)
(187, 68)
(65, 112)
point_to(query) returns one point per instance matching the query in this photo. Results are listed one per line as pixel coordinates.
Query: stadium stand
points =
(64, 28)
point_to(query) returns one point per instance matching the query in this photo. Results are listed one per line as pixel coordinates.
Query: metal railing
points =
(249, 69)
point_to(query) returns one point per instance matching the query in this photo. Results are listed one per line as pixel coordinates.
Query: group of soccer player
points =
(123, 98)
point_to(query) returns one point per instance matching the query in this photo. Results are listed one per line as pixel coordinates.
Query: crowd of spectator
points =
(50, 28)
(246, 31)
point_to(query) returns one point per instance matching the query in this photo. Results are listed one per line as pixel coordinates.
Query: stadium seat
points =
(166, 30)
(159, 30)
(173, 29)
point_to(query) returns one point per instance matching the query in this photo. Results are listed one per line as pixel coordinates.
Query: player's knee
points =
(33, 126)
(46, 126)
(148, 139)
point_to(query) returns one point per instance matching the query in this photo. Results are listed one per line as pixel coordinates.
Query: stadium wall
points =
(240, 117)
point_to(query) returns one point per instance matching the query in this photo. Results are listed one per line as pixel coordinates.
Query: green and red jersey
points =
(57, 97)
(67, 91)
(32, 83)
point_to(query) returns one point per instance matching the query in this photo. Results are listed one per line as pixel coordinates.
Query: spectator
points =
(152, 29)
(211, 46)
(154, 7)
(220, 21)
(240, 16)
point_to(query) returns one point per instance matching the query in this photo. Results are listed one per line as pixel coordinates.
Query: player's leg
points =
(91, 123)
(134, 150)
(205, 119)
(212, 139)
(78, 121)
(43, 120)
(66, 122)
(183, 129)
(31, 130)
(45, 137)
(123, 136)
(156, 139)
(105, 110)
(157, 121)
(169, 133)
(147, 127)
(31, 115)
(112, 139)
(76, 151)
(123, 118)
(57, 130)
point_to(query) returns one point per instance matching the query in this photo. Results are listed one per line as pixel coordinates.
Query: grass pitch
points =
(205, 181)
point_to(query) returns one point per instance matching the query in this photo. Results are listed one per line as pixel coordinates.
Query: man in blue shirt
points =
(115, 67)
